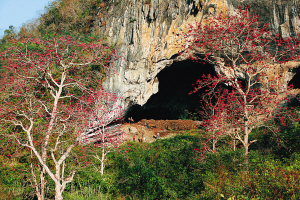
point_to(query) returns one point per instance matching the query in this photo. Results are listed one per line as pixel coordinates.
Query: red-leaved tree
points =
(50, 98)
(215, 118)
(101, 138)
(247, 56)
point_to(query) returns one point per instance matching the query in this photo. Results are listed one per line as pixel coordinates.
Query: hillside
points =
(152, 99)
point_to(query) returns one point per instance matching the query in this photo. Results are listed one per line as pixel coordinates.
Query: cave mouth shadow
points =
(295, 82)
(173, 100)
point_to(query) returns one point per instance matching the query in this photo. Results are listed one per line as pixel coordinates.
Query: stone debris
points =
(165, 128)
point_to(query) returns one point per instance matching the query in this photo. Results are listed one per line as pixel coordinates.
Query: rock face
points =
(145, 31)
(282, 14)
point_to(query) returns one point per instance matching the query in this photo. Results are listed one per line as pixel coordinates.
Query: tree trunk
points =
(46, 140)
(246, 145)
(102, 160)
(58, 192)
(38, 195)
(42, 177)
(214, 146)
(246, 131)
(246, 149)
(103, 153)
(39, 190)
(234, 145)
(246, 139)
(58, 186)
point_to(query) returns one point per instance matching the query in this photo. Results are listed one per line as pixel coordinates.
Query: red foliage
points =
(50, 96)
(243, 95)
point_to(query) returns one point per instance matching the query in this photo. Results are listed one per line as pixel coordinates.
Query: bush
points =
(275, 179)
(226, 175)
(163, 170)
(69, 16)
(283, 143)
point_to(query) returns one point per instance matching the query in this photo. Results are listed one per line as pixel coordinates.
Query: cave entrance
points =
(173, 100)
(295, 82)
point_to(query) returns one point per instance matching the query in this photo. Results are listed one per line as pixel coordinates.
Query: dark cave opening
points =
(295, 81)
(173, 100)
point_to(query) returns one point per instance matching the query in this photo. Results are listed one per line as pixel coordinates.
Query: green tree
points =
(9, 34)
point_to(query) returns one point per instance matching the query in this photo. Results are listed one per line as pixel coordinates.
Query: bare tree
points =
(50, 93)
(105, 138)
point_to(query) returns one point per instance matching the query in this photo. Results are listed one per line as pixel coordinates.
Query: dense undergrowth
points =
(171, 169)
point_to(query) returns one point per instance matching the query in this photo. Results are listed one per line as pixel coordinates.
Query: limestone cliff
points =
(144, 32)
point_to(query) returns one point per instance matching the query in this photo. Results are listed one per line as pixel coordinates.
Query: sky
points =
(17, 12)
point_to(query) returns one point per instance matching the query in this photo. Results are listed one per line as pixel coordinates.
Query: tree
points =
(106, 139)
(70, 16)
(215, 119)
(244, 53)
(29, 29)
(51, 92)
(9, 34)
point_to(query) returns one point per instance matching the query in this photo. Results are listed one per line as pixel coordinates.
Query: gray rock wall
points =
(145, 33)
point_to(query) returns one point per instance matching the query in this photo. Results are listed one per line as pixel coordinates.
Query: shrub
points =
(165, 169)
